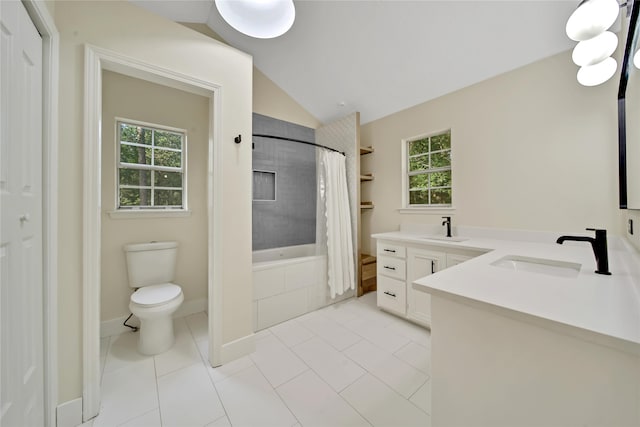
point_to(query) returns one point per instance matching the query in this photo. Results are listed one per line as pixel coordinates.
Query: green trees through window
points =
(150, 167)
(429, 170)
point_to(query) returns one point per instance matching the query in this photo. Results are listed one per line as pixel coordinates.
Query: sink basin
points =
(446, 239)
(538, 265)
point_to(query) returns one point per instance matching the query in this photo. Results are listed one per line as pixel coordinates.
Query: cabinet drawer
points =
(392, 295)
(389, 249)
(391, 267)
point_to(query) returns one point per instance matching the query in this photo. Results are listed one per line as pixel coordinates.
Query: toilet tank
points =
(151, 263)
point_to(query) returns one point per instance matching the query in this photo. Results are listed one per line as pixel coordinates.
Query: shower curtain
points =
(333, 206)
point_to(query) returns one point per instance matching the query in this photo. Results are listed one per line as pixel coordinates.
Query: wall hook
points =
(238, 139)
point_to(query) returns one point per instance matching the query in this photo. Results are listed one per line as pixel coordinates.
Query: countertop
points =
(596, 307)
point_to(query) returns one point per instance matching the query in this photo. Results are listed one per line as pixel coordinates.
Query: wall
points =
(268, 98)
(124, 28)
(130, 98)
(290, 219)
(532, 149)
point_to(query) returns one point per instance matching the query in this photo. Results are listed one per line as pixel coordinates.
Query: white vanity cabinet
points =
(421, 263)
(400, 264)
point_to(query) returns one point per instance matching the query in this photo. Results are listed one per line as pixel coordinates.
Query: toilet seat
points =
(155, 295)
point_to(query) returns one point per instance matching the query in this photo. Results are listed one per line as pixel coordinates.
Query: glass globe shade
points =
(591, 18)
(593, 75)
(595, 50)
(636, 59)
(263, 19)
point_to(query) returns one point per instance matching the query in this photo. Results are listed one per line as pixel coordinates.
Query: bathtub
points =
(289, 282)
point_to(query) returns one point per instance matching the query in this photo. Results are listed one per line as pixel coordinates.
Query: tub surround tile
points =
(279, 308)
(268, 282)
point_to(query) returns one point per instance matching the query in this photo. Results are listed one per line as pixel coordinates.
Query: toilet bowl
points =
(151, 268)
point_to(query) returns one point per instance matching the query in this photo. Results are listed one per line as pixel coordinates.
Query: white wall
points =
(128, 30)
(532, 149)
(135, 99)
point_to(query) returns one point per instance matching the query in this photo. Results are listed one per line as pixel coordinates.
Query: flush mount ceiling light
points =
(592, 51)
(591, 18)
(262, 19)
(593, 75)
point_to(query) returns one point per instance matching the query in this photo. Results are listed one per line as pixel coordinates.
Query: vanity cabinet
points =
(421, 263)
(400, 264)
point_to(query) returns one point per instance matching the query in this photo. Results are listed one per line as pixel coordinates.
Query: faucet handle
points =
(597, 229)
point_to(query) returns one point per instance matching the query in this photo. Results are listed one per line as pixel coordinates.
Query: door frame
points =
(97, 59)
(44, 23)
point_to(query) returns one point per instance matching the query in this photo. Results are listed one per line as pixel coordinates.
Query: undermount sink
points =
(446, 239)
(538, 265)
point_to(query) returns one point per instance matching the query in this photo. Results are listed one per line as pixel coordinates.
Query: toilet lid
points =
(156, 294)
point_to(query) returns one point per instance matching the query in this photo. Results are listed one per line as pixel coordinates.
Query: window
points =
(428, 171)
(151, 166)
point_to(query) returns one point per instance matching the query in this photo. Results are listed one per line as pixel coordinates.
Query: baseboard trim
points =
(116, 327)
(236, 349)
(69, 414)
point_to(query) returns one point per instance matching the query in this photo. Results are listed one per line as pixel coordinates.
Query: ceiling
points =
(380, 57)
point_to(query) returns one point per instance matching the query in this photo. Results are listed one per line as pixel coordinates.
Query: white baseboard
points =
(115, 326)
(236, 349)
(69, 414)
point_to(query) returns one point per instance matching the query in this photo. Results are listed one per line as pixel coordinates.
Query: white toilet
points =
(151, 268)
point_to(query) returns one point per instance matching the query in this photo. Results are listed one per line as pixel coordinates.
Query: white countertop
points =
(592, 306)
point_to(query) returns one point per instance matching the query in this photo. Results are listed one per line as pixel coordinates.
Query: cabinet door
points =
(421, 263)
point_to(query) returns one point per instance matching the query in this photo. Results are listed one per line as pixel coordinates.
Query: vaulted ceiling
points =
(380, 57)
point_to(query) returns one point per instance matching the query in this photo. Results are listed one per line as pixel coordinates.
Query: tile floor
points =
(348, 364)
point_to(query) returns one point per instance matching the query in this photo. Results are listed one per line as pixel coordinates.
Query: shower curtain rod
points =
(300, 141)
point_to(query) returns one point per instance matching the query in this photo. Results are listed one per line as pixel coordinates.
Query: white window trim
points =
(135, 212)
(436, 209)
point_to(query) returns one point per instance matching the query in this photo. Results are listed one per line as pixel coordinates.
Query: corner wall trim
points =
(236, 349)
(69, 414)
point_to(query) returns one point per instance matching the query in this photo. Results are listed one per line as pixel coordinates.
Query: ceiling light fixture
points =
(262, 19)
(588, 25)
(593, 75)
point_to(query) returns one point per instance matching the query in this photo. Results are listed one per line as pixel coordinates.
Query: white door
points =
(421, 263)
(21, 329)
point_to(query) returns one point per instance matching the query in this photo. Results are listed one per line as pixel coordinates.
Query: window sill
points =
(142, 213)
(428, 210)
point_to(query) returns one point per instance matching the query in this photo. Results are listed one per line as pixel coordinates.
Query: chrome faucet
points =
(599, 245)
(447, 222)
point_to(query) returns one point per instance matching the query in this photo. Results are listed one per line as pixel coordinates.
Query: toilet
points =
(151, 269)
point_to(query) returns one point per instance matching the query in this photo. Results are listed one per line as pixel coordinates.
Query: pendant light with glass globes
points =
(588, 25)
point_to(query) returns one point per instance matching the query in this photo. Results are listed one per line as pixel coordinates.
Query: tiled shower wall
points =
(290, 219)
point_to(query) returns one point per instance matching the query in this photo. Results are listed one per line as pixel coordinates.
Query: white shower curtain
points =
(333, 206)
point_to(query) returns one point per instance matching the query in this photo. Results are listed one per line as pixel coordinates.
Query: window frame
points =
(151, 211)
(407, 207)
